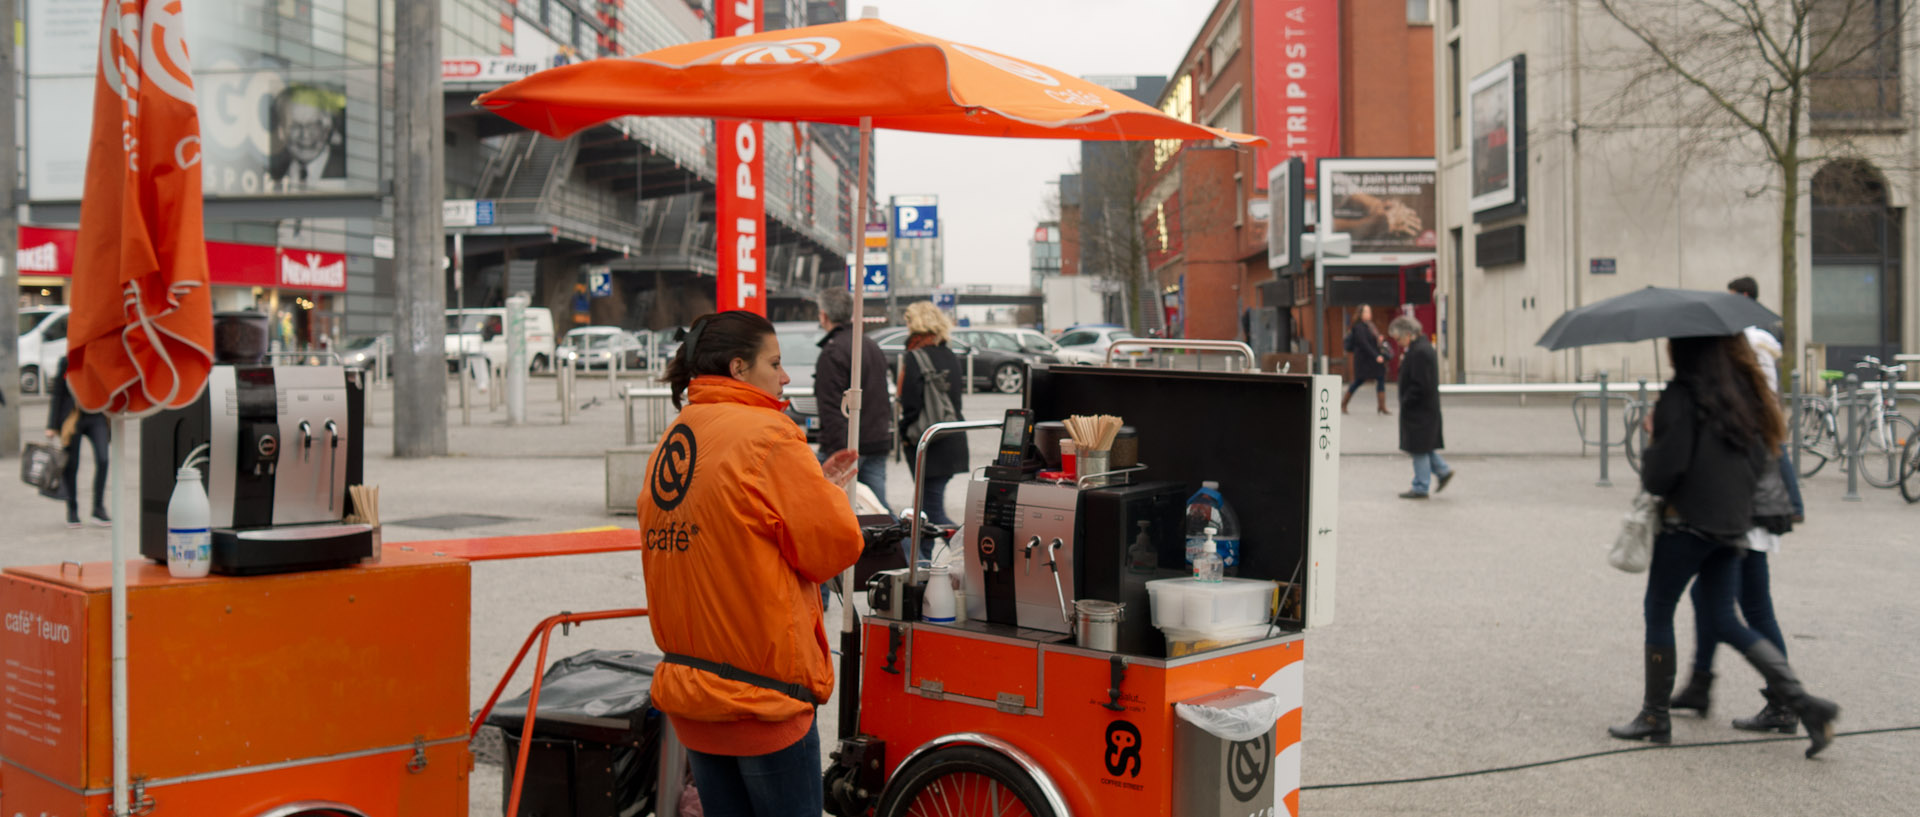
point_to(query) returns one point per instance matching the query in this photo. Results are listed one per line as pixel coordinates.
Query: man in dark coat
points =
(833, 375)
(1420, 433)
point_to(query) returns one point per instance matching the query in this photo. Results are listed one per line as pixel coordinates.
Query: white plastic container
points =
(937, 604)
(1203, 607)
(189, 530)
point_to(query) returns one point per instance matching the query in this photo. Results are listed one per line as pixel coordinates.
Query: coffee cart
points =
(975, 717)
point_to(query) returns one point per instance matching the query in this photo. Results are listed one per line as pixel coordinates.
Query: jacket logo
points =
(673, 468)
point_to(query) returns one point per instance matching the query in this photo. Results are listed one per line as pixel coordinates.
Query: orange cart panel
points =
(230, 674)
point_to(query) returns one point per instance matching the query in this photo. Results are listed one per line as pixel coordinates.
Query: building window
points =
(1453, 91)
(1859, 76)
(1453, 14)
(1420, 12)
(1226, 43)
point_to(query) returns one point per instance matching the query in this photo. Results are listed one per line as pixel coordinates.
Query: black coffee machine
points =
(282, 445)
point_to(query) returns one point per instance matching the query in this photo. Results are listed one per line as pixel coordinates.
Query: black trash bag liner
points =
(596, 744)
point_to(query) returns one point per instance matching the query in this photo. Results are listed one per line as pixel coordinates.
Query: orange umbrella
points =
(840, 73)
(140, 337)
(141, 334)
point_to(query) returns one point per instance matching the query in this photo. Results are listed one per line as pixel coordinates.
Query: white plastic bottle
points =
(937, 604)
(1207, 567)
(189, 532)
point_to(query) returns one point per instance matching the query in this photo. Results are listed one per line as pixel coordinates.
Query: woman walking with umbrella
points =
(1715, 429)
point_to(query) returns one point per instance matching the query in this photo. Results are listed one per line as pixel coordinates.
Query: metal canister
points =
(1096, 623)
(1095, 462)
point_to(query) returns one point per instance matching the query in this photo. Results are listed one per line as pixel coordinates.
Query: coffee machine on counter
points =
(1034, 547)
(284, 442)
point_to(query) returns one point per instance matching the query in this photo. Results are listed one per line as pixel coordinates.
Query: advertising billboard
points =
(740, 206)
(1497, 143)
(1286, 196)
(1296, 81)
(1386, 205)
(269, 125)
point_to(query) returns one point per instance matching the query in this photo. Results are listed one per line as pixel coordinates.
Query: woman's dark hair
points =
(713, 342)
(1729, 388)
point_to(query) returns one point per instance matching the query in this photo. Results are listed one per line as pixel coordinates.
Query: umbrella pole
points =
(117, 465)
(850, 405)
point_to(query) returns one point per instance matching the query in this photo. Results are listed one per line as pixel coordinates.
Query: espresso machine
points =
(282, 445)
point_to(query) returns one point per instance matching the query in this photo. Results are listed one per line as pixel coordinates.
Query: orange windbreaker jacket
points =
(740, 528)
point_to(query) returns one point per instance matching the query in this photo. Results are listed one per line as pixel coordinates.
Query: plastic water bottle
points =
(937, 603)
(1208, 509)
(1208, 567)
(189, 531)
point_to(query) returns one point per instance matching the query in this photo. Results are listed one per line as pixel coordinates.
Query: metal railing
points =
(657, 401)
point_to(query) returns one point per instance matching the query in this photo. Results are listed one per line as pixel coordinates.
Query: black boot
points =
(1818, 713)
(1652, 723)
(1776, 716)
(1698, 695)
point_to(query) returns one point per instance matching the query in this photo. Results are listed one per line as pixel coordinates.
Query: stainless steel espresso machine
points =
(283, 445)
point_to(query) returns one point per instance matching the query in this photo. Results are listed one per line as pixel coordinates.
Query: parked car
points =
(597, 347)
(999, 369)
(1094, 340)
(1008, 377)
(472, 331)
(43, 341)
(364, 351)
(799, 351)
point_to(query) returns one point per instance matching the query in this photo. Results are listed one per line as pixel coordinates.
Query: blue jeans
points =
(1755, 595)
(1792, 480)
(1679, 557)
(780, 784)
(1379, 384)
(1425, 466)
(933, 504)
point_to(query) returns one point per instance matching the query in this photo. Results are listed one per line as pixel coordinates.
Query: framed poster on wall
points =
(1497, 143)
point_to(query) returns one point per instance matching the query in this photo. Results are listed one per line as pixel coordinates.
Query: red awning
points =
(50, 251)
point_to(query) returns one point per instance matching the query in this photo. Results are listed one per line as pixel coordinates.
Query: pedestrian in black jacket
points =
(833, 375)
(1715, 429)
(1420, 432)
(946, 456)
(1369, 360)
(88, 426)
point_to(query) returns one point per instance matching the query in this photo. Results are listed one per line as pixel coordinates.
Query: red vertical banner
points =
(741, 205)
(1296, 76)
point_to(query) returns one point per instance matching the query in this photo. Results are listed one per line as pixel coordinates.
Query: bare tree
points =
(1763, 71)
(1113, 245)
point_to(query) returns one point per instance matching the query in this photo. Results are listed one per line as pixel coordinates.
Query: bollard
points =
(565, 386)
(1793, 429)
(466, 391)
(1604, 482)
(970, 371)
(626, 397)
(1852, 452)
(1523, 381)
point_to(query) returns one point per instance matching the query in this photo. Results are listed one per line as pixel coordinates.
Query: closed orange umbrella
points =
(140, 338)
(840, 73)
(141, 335)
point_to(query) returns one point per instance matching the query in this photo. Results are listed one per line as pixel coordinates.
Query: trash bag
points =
(596, 743)
(1240, 723)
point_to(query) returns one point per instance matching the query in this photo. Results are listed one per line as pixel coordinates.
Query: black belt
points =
(730, 672)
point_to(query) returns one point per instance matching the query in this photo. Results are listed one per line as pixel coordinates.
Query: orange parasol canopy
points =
(141, 333)
(838, 73)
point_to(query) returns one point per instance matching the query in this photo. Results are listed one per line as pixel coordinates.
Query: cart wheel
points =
(963, 781)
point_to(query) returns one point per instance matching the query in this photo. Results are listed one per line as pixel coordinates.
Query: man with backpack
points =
(930, 379)
(833, 375)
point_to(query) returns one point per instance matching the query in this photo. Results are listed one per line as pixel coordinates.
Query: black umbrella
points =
(1656, 312)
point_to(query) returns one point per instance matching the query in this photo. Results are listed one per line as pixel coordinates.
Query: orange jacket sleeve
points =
(818, 534)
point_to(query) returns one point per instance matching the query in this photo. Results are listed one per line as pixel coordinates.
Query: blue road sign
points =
(483, 213)
(876, 279)
(916, 221)
(601, 283)
(945, 300)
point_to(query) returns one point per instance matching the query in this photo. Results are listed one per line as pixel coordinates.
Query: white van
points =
(482, 331)
(43, 341)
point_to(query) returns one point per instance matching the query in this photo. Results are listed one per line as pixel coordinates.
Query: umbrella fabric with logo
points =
(141, 335)
(1656, 312)
(839, 73)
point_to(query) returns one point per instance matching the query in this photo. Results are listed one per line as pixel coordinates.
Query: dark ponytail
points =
(711, 345)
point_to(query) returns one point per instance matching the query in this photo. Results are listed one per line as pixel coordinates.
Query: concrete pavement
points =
(1481, 628)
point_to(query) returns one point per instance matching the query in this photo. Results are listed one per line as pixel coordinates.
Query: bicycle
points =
(1879, 439)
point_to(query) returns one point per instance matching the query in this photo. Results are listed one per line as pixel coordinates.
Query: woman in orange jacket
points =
(741, 525)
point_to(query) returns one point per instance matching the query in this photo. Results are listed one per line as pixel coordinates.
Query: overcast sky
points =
(992, 191)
